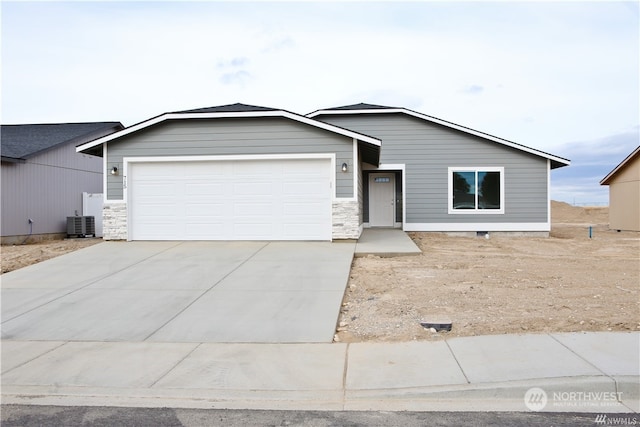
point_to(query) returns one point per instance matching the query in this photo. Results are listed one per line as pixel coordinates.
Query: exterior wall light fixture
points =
(344, 167)
(114, 170)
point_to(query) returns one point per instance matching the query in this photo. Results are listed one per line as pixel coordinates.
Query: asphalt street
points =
(27, 415)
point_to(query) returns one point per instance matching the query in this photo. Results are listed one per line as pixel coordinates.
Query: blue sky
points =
(562, 77)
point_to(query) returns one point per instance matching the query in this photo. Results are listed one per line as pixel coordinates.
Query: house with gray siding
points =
(242, 172)
(43, 176)
(435, 175)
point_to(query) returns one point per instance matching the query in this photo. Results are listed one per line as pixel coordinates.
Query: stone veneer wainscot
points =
(346, 220)
(114, 221)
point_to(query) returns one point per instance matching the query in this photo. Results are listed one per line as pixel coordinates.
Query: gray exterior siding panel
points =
(47, 188)
(428, 149)
(231, 137)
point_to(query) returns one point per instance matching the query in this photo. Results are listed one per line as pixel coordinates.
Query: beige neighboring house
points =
(624, 193)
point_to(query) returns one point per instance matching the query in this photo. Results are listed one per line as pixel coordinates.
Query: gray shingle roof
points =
(230, 108)
(23, 141)
(362, 106)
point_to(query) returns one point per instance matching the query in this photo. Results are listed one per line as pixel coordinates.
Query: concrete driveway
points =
(276, 292)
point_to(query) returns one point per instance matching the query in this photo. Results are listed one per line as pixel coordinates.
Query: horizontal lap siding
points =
(219, 137)
(428, 150)
(47, 188)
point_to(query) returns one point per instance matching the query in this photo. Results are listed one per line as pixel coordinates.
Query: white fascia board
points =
(322, 125)
(356, 169)
(105, 186)
(446, 124)
(240, 114)
(478, 226)
(605, 180)
(549, 191)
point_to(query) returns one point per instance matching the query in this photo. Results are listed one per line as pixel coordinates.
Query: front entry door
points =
(382, 200)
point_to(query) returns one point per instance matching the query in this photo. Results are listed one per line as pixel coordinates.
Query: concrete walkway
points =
(572, 372)
(385, 242)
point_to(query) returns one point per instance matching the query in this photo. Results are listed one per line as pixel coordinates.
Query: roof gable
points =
(229, 111)
(23, 141)
(635, 154)
(556, 161)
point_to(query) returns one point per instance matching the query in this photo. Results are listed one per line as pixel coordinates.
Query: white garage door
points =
(230, 200)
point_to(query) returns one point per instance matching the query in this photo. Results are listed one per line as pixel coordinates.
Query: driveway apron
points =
(283, 292)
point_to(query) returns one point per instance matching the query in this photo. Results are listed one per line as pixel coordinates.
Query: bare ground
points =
(564, 283)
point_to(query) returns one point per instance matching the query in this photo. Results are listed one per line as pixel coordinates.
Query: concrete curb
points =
(503, 396)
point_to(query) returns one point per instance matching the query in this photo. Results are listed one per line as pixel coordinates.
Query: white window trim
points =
(474, 211)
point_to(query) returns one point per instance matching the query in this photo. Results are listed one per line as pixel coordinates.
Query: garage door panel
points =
(205, 188)
(204, 210)
(153, 211)
(254, 167)
(301, 188)
(155, 189)
(204, 230)
(252, 210)
(254, 231)
(168, 230)
(302, 231)
(255, 188)
(292, 210)
(205, 170)
(231, 200)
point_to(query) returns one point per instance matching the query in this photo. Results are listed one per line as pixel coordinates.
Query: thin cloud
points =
(280, 43)
(240, 61)
(473, 89)
(239, 77)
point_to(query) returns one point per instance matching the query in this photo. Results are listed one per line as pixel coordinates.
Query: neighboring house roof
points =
(231, 108)
(19, 142)
(230, 111)
(362, 108)
(607, 179)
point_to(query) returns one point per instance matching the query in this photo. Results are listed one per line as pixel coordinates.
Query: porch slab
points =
(385, 242)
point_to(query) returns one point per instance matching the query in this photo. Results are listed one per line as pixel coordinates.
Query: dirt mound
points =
(562, 212)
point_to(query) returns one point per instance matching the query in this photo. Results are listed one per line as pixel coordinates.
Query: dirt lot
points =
(564, 283)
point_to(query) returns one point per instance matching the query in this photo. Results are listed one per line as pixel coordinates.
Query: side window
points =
(476, 190)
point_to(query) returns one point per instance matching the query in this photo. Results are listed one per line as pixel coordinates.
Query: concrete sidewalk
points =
(573, 372)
